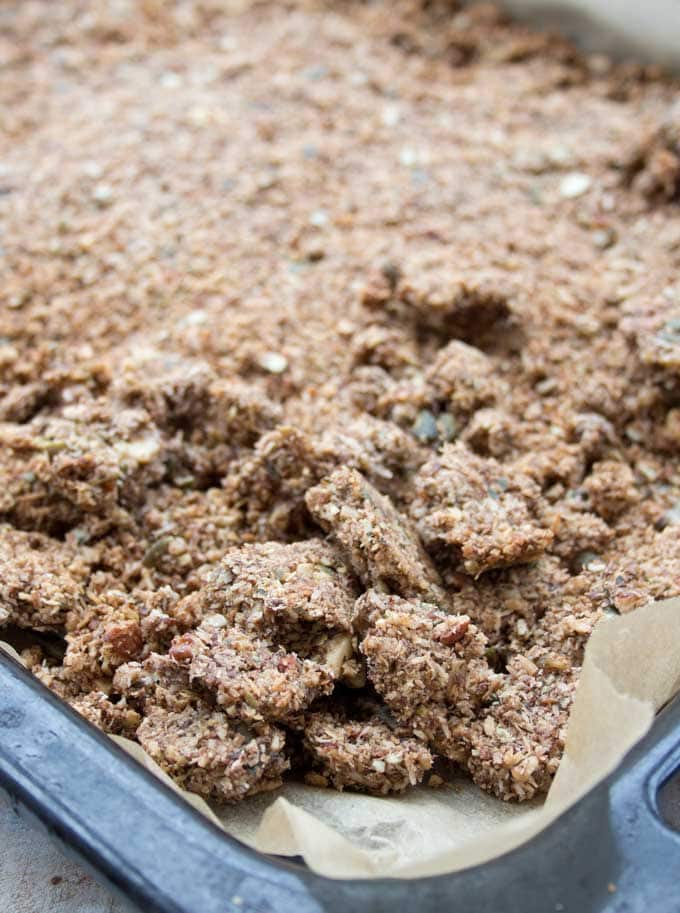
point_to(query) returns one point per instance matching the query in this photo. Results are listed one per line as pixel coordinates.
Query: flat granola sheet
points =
(631, 669)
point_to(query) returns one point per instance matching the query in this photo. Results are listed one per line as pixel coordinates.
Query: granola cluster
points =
(339, 393)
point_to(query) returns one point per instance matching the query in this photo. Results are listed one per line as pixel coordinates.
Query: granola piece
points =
(268, 487)
(490, 432)
(595, 434)
(379, 450)
(364, 755)
(159, 681)
(510, 600)
(478, 512)
(291, 594)
(380, 284)
(101, 637)
(53, 675)
(653, 324)
(172, 389)
(517, 743)
(577, 532)
(387, 347)
(562, 463)
(611, 488)
(115, 718)
(452, 304)
(20, 403)
(205, 418)
(641, 571)
(378, 541)
(459, 382)
(186, 395)
(403, 401)
(41, 580)
(159, 618)
(563, 630)
(429, 667)
(207, 753)
(462, 380)
(85, 463)
(660, 344)
(248, 680)
(366, 387)
(183, 534)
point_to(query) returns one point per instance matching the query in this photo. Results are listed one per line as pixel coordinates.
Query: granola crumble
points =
(339, 393)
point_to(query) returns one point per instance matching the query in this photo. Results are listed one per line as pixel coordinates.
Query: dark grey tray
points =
(616, 850)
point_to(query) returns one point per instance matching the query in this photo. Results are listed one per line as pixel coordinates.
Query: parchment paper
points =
(631, 668)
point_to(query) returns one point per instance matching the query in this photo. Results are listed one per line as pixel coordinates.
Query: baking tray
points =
(617, 849)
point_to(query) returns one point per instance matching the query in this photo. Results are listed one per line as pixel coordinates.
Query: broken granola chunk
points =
(380, 450)
(490, 432)
(577, 531)
(429, 667)
(102, 637)
(386, 347)
(478, 512)
(595, 434)
(510, 600)
(41, 580)
(182, 534)
(653, 324)
(562, 464)
(159, 681)
(364, 755)
(378, 541)
(207, 753)
(653, 169)
(114, 718)
(86, 463)
(646, 570)
(249, 681)
(517, 743)
(611, 488)
(462, 379)
(440, 300)
(268, 487)
(298, 595)
(185, 395)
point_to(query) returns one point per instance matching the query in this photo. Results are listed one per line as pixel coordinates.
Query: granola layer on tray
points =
(339, 392)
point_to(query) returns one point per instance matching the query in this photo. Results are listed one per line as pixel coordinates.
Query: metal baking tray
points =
(617, 849)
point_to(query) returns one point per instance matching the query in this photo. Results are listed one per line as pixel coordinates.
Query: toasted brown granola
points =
(41, 580)
(379, 543)
(516, 745)
(420, 299)
(207, 753)
(364, 755)
(483, 514)
(429, 667)
(248, 680)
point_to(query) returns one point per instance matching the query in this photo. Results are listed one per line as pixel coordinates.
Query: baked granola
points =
(339, 393)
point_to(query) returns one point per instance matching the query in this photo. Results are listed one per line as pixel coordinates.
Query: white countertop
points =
(35, 877)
